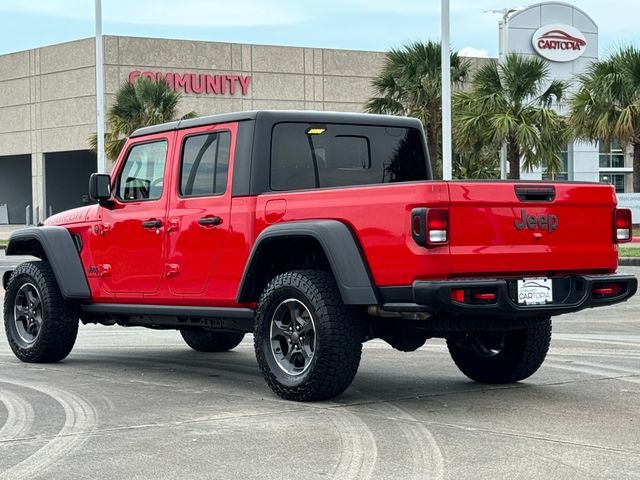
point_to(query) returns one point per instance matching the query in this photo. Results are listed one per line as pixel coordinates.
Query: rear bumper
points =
(571, 293)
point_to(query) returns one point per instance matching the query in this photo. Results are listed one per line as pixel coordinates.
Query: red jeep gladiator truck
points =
(315, 231)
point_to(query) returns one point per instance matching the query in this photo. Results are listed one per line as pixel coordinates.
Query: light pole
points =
(99, 88)
(504, 49)
(504, 38)
(445, 59)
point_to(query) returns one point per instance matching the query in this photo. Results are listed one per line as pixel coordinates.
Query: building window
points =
(612, 165)
(563, 174)
(617, 180)
(611, 154)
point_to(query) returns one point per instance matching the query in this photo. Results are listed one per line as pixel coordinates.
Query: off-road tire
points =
(338, 337)
(206, 341)
(59, 328)
(514, 355)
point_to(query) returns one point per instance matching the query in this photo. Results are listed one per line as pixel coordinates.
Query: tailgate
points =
(528, 228)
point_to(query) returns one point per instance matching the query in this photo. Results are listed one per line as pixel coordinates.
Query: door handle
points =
(209, 221)
(152, 223)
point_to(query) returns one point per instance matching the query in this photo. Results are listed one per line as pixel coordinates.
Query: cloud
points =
(473, 52)
(188, 13)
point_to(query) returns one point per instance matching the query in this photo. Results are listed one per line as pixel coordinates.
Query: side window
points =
(293, 160)
(142, 176)
(205, 165)
(305, 156)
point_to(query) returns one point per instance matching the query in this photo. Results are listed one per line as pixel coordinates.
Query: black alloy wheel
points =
(308, 343)
(293, 337)
(27, 314)
(40, 324)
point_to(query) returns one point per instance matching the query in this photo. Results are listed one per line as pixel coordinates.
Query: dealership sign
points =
(199, 83)
(559, 43)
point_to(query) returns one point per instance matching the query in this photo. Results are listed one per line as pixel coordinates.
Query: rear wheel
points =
(41, 326)
(501, 357)
(206, 341)
(308, 343)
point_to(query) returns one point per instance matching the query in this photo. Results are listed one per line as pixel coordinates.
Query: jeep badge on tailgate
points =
(532, 222)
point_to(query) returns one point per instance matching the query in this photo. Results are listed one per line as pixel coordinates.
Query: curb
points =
(629, 261)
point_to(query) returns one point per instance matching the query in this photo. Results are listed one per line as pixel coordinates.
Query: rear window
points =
(306, 156)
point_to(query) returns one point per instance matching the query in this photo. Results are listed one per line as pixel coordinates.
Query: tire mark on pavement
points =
(80, 421)
(604, 366)
(426, 452)
(358, 453)
(606, 371)
(598, 340)
(358, 448)
(572, 352)
(20, 416)
(426, 455)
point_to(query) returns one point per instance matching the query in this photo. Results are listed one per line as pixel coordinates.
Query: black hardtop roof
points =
(276, 116)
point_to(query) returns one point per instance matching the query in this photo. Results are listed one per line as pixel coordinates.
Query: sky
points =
(348, 24)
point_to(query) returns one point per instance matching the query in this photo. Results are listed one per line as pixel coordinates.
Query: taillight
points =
(430, 226)
(622, 226)
(438, 226)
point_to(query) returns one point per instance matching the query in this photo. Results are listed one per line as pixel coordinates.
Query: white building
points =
(567, 38)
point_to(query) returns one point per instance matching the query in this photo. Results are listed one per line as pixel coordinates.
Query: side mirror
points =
(100, 187)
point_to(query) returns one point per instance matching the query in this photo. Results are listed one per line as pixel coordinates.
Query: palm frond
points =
(410, 84)
(147, 102)
(509, 103)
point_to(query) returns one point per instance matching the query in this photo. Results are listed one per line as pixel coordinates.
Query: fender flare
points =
(56, 246)
(340, 247)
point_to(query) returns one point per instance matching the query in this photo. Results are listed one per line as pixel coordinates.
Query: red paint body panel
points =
(185, 263)
(192, 247)
(379, 216)
(484, 240)
(224, 283)
(135, 254)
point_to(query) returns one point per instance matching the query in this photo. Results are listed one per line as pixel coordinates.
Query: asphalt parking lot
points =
(138, 404)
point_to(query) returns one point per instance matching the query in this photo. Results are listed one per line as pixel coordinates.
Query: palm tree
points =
(147, 102)
(606, 106)
(510, 103)
(476, 162)
(410, 84)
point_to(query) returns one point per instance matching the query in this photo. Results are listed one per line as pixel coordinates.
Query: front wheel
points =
(41, 326)
(501, 357)
(308, 343)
